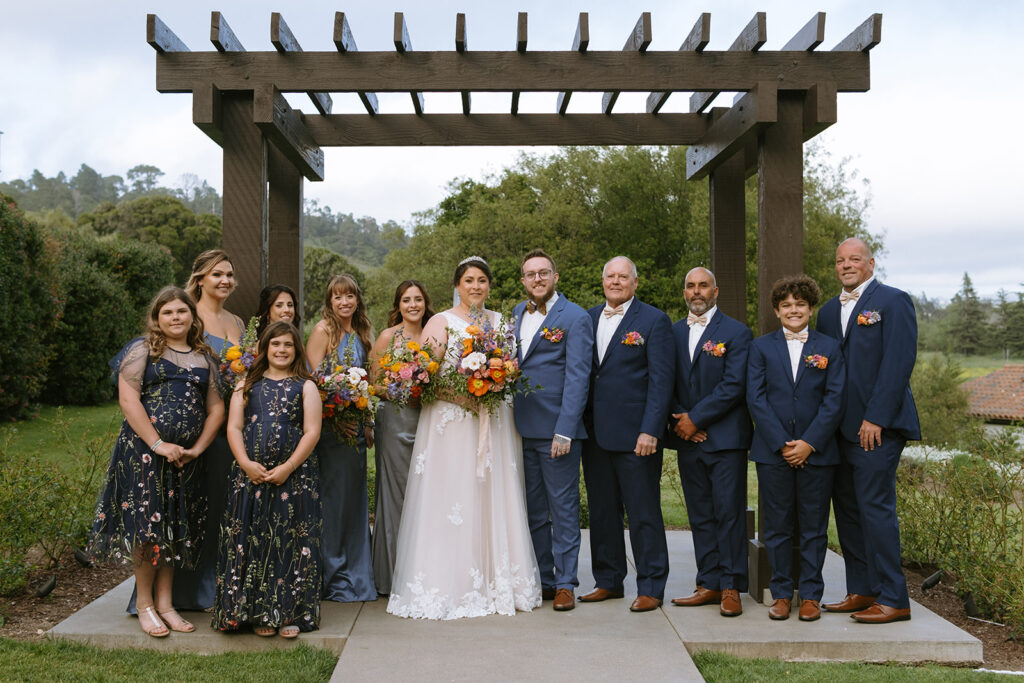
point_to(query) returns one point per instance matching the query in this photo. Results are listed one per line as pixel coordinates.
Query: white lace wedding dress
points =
(464, 547)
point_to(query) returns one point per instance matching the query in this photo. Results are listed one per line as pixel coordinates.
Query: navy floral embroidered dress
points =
(147, 500)
(269, 564)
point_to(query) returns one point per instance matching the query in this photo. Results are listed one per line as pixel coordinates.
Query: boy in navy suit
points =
(795, 383)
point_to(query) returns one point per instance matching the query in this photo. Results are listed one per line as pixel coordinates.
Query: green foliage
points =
(1010, 326)
(942, 403)
(966, 325)
(360, 239)
(319, 265)
(29, 307)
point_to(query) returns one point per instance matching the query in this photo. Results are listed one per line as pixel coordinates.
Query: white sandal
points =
(157, 622)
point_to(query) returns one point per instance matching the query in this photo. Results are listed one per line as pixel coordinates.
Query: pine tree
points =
(967, 330)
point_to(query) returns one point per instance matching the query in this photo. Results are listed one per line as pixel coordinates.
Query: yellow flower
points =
(424, 355)
(397, 367)
(337, 368)
(385, 360)
(412, 346)
(233, 353)
(361, 403)
(432, 367)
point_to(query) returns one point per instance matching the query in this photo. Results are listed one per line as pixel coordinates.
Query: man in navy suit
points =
(556, 344)
(795, 383)
(877, 328)
(630, 390)
(710, 431)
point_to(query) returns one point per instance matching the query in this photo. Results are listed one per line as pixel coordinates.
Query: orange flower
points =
(385, 360)
(467, 346)
(237, 366)
(361, 403)
(496, 362)
(233, 353)
(473, 330)
(478, 386)
(416, 390)
(412, 346)
(497, 375)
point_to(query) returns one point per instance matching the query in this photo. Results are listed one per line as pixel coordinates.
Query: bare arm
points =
(316, 347)
(135, 414)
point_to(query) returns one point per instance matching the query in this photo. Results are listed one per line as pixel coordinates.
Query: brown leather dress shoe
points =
(810, 610)
(547, 593)
(701, 596)
(731, 605)
(779, 611)
(851, 603)
(644, 603)
(599, 594)
(881, 614)
(564, 600)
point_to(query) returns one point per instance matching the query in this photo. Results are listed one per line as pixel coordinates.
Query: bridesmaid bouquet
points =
(235, 360)
(487, 371)
(347, 396)
(406, 369)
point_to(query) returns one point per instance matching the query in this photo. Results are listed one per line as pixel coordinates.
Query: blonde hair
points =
(346, 284)
(201, 267)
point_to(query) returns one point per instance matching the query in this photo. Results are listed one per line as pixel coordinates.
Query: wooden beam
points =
(521, 23)
(580, 41)
(284, 126)
(820, 109)
(449, 71)
(810, 36)
(221, 35)
(403, 44)
(733, 130)
(161, 38)
(345, 41)
(696, 41)
(206, 112)
(864, 37)
(727, 213)
(750, 39)
(460, 47)
(285, 42)
(284, 224)
(401, 130)
(637, 41)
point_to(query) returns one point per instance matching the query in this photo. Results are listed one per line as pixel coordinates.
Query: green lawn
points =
(717, 667)
(46, 437)
(973, 366)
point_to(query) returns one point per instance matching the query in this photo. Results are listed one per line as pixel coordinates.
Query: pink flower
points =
(716, 349)
(284, 495)
(407, 371)
(146, 458)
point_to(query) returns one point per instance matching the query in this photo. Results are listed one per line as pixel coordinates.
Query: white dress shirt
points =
(697, 330)
(606, 328)
(847, 308)
(532, 322)
(796, 348)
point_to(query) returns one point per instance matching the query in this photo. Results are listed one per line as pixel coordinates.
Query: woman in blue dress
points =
(344, 335)
(151, 510)
(268, 568)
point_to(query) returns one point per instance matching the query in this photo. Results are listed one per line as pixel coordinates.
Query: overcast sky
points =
(937, 135)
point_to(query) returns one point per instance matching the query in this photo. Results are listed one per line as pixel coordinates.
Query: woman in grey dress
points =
(395, 430)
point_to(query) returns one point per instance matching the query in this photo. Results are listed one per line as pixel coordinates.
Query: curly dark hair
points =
(801, 287)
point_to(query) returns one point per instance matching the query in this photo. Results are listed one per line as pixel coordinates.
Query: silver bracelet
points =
(156, 445)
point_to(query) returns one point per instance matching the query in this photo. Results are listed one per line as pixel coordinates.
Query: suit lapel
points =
(624, 325)
(859, 306)
(520, 312)
(782, 348)
(549, 321)
(710, 331)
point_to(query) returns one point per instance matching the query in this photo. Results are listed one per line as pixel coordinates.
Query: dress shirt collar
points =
(861, 287)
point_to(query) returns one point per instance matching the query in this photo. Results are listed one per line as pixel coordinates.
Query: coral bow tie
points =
(848, 296)
(609, 311)
(796, 336)
(533, 308)
(692, 319)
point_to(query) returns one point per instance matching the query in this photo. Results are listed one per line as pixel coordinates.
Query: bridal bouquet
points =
(487, 371)
(406, 369)
(236, 359)
(347, 396)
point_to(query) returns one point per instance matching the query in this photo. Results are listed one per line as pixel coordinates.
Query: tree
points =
(319, 265)
(966, 328)
(142, 179)
(1010, 324)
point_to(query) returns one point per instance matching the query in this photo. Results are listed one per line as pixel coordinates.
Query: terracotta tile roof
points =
(998, 395)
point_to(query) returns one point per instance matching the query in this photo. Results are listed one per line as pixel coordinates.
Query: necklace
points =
(187, 349)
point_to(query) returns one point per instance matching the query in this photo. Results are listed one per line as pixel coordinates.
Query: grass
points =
(42, 437)
(715, 667)
(973, 366)
(63, 660)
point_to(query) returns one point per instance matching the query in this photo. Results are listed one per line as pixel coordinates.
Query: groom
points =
(556, 342)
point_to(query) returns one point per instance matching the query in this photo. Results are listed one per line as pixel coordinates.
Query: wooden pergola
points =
(782, 98)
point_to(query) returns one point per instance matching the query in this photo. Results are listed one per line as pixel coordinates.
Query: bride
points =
(464, 547)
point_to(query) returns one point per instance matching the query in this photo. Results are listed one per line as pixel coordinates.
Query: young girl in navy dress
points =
(151, 509)
(269, 565)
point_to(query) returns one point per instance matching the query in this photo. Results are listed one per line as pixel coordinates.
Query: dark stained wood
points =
(221, 35)
(345, 41)
(864, 37)
(206, 112)
(521, 32)
(750, 39)
(637, 41)
(245, 201)
(727, 211)
(359, 130)
(820, 109)
(504, 71)
(403, 45)
(733, 130)
(285, 42)
(460, 46)
(283, 126)
(161, 38)
(580, 41)
(696, 41)
(780, 233)
(284, 224)
(810, 36)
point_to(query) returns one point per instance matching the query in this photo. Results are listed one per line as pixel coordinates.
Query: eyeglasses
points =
(537, 275)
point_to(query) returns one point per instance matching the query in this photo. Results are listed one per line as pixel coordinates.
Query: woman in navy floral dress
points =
(151, 511)
(269, 565)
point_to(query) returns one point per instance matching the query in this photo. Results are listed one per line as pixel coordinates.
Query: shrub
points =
(942, 403)
(28, 311)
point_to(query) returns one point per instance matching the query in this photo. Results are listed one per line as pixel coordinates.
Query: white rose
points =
(363, 386)
(474, 361)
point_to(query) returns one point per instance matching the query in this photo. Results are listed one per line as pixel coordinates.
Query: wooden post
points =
(245, 200)
(728, 236)
(284, 256)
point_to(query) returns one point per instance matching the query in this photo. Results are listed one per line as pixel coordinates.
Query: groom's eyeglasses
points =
(537, 275)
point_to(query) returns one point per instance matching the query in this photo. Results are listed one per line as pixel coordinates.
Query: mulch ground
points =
(28, 617)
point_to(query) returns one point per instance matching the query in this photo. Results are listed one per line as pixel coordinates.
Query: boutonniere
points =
(716, 349)
(816, 361)
(869, 318)
(633, 339)
(553, 335)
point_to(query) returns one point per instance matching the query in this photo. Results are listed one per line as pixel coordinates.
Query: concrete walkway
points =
(594, 642)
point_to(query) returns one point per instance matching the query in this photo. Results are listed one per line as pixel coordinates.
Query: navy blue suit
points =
(630, 391)
(880, 358)
(784, 409)
(713, 473)
(562, 369)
